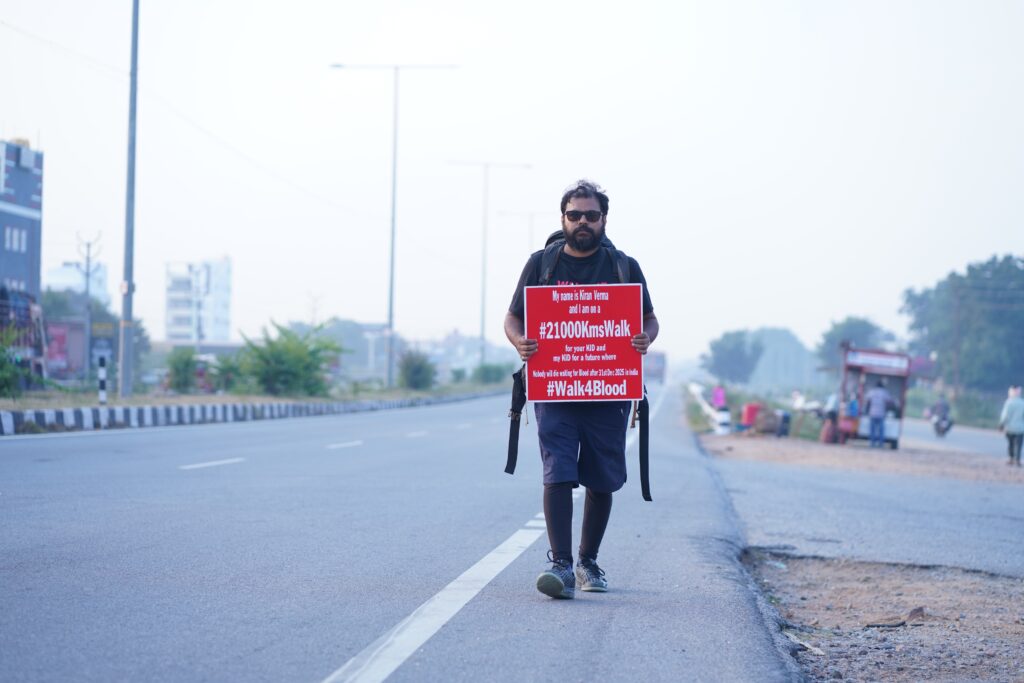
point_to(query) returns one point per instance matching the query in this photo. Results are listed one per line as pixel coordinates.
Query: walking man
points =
(581, 443)
(1011, 421)
(876, 403)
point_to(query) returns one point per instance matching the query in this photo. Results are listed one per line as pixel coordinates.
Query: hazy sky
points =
(769, 163)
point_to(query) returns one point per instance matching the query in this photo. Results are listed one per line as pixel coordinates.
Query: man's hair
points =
(584, 189)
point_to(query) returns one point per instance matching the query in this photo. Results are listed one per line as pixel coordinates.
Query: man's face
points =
(583, 235)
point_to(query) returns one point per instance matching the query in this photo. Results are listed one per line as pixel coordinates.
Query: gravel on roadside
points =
(871, 621)
(868, 621)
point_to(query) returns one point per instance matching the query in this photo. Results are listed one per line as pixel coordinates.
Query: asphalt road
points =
(291, 550)
(879, 517)
(920, 434)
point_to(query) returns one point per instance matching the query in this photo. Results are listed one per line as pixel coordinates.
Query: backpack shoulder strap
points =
(549, 260)
(621, 264)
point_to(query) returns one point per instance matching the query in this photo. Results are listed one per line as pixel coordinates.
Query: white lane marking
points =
(212, 463)
(380, 659)
(417, 434)
(345, 444)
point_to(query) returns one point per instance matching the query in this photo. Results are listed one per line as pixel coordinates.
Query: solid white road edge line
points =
(345, 444)
(381, 657)
(387, 653)
(212, 463)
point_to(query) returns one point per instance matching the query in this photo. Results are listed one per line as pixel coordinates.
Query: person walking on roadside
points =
(1011, 422)
(876, 403)
(581, 443)
(718, 399)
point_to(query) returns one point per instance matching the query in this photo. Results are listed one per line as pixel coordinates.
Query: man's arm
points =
(515, 330)
(642, 341)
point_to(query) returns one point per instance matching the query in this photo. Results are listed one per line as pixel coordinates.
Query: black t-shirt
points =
(596, 269)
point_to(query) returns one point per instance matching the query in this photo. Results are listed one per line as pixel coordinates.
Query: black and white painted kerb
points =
(113, 417)
(101, 375)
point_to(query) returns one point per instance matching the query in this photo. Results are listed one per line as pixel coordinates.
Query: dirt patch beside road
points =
(930, 624)
(870, 621)
(907, 461)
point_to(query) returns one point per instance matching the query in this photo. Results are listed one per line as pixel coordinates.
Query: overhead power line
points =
(181, 115)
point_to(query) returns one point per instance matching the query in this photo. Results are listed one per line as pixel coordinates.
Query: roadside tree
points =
(973, 324)
(733, 356)
(859, 332)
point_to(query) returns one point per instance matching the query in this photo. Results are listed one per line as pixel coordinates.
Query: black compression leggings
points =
(558, 514)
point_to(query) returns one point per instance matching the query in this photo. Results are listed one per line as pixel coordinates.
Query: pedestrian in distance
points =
(718, 399)
(1011, 422)
(581, 443)
(876, 404)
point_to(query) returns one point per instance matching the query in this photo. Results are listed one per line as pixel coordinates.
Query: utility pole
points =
(956, 337)
(127, 331)
(486, 167)
(396, 70)
(87, 273)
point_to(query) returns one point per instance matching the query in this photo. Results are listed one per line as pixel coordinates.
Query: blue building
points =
(21, 214)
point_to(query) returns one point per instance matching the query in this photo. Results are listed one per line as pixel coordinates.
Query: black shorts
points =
(584, 443)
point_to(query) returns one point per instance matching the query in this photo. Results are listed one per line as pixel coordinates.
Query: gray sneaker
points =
(558, 581)
(590, 576)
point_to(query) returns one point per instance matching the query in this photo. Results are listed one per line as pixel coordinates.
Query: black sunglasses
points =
(575, 216)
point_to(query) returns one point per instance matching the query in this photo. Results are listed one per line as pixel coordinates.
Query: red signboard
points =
(583, 335)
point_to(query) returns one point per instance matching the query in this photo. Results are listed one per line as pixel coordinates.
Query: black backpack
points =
(641, 409)
(553, 251)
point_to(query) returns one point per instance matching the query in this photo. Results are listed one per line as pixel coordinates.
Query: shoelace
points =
(592, 569)
(560, 563)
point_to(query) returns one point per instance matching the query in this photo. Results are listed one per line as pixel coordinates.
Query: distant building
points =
(71, 275)
(198, 302)
(21, 216)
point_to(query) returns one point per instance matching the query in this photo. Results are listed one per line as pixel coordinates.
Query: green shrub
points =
(290, 363)
(181, 368)
(493, 373)
(227, 373)
(415, 371)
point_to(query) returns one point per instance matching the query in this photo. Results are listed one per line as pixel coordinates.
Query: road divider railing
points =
(719, 420)
(130, 417)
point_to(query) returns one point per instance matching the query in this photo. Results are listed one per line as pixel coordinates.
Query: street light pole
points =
(395, 69)
(531, 216)
(127, 331)
(87, 273)
(486, 168)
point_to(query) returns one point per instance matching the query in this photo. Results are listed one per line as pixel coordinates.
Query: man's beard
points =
(584, 238)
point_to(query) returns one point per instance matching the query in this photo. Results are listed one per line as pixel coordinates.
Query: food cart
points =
(861, 369)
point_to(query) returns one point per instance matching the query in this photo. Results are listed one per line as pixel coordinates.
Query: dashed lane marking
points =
(212, 463)
(345, 444)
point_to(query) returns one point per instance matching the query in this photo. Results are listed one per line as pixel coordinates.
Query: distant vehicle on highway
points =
(655, 363)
